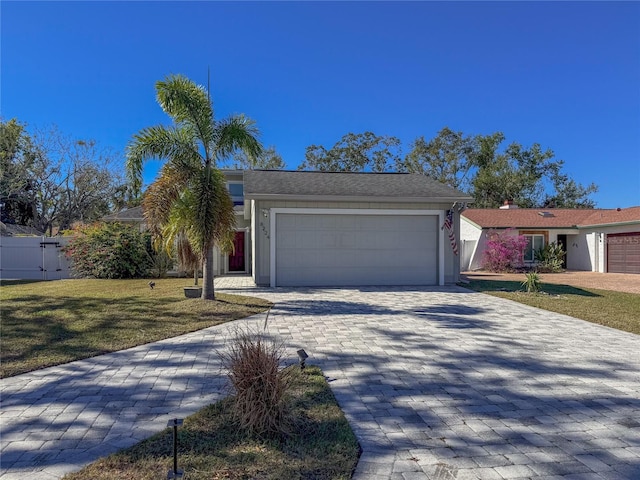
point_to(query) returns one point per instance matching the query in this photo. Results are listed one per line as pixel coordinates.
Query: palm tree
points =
(190, 197)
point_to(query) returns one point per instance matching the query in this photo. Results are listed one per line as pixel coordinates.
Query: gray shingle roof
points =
(10, 229)
(274, 183)
(129, 214)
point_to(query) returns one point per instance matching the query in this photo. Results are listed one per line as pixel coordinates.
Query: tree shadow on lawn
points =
(41, 331)
(6, 283)
(515, 286)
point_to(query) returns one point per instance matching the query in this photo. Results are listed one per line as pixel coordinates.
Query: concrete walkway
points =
(438, 383)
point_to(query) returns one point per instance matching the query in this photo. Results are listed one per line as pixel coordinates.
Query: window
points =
(534, 242)
(236, 190)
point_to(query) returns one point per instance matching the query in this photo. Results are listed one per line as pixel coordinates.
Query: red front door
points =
(236, 259)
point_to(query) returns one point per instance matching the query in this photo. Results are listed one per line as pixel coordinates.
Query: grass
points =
(604, 307)
(212, 447)
(50, 323)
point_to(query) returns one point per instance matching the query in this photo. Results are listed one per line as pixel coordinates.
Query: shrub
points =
(259, 383)
(550, 257)
(504, 251)
(532, 282)
(161, 263)
(109, 250)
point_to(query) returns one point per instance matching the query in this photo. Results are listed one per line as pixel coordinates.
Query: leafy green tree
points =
(124, 197)
(569, 194)
(17, 155)
(447, 158)
(269, 159)
(192, 148)
(478, 165)
(354, 153)
(522, 175)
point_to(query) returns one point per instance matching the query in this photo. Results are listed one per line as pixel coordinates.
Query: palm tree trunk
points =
(208, 292)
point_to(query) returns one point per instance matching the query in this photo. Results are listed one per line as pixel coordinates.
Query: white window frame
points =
(533, 248)
(236, 198)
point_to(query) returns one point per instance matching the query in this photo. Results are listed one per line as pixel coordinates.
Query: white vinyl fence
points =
(33, 258)
(468, 249)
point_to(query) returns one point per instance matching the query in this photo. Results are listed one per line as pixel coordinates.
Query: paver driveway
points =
(437, 383)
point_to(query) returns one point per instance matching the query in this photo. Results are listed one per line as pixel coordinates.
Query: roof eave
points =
(613, 224)
(124, 219)
(536, 227)
(353, 198)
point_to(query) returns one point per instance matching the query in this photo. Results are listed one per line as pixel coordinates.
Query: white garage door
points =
(343, 250)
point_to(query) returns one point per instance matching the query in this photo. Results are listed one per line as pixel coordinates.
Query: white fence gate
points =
(33, 258)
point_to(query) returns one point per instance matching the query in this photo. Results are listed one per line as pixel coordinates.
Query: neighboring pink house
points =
(598, 240)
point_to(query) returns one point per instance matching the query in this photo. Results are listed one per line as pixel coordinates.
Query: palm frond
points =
(214, 208)
(188, 104)
(236, 133)
(188, 259)
(176, 145)
(178, 231)
(160, 197)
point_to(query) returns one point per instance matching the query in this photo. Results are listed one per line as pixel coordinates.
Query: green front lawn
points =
(613, 309)
(211, 446)
(49, 323)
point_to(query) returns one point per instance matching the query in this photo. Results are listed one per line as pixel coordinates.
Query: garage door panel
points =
(289, 223)
(288, 241)
(328, 276)
(348, 240)
(340, 223)
(623, 253)
(317, 250)
(384, 239)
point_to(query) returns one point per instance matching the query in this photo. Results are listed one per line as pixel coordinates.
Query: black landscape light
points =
(302, 355)
(175, 473)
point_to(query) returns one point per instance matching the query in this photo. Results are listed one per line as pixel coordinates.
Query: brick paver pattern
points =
(437, 383)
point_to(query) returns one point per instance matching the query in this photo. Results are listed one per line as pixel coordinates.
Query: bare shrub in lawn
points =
(260, 385)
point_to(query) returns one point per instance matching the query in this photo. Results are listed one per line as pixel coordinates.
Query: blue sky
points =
(563, 74)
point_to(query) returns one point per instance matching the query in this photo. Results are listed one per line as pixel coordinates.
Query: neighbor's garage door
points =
(623, 252)
(342, 250)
